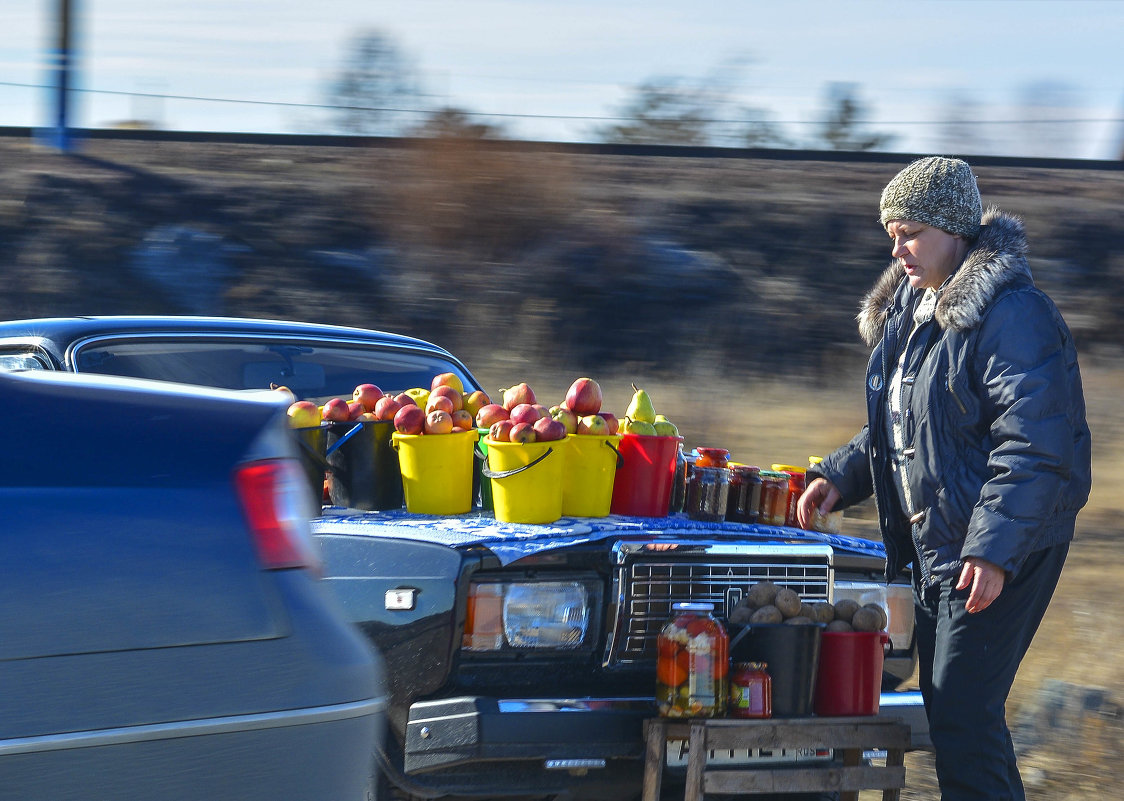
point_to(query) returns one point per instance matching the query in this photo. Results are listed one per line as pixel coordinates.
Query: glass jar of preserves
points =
(774, 498)
(692, 666)
(751, 691)
(744, 497)
(708, 490)
(712, 457)
(795, 490)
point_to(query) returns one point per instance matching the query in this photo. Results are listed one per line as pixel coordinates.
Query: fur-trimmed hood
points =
(997, 258)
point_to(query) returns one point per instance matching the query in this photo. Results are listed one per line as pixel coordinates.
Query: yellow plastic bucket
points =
(436, 471)
(591, 466)
(527, 479)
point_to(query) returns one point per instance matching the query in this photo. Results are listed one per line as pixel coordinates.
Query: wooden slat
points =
(803, 780)
(810, 733)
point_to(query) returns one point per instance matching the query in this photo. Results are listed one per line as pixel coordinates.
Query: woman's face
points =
(928, 254)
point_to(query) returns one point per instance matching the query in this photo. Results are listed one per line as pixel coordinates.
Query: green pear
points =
(665, 428)
(630, 426)
(640, 408)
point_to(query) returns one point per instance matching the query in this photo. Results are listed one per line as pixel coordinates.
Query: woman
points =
(976, 450)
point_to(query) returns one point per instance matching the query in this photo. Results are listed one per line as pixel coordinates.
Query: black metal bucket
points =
(313, 444)
(364, 466)
(791, 654)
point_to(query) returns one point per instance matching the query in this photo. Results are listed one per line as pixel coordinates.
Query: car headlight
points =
(523, 615)
(895, 599)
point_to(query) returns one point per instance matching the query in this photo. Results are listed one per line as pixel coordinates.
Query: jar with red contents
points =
(692, 666)
(751, 691)
(795, 490)
(708, 485)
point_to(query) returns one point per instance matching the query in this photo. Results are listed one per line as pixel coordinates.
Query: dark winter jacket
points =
(996, 442)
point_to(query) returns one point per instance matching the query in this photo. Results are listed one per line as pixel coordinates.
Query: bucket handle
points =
(489, 473)
(335, 445)
(614, 449)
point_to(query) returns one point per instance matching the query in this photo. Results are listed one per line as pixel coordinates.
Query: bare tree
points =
(455, 123)
(841, 127)
(376, 91)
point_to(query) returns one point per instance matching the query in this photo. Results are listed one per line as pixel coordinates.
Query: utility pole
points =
(61, 60)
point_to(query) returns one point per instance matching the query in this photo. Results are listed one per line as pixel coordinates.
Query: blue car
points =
(166, 634)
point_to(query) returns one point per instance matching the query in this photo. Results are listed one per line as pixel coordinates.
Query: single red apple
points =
(462, 419)
(404, 399)
(523, 432)
(439, 403)
(385, 407)
(547, 429)
(500, 431)
(566, 417)
(520, 393)
(447, 380)
(368, 395)
(445, 391)
(611, 419)
(489, 414)
(409, 420)
(584, 397)
(438, 422)
(304, 414)
(524, 413)
(593, 424)
(336, 410)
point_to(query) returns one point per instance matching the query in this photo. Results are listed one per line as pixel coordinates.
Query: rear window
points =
(310, 369)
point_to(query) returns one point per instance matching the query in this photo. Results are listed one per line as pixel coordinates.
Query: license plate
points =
(677, 751)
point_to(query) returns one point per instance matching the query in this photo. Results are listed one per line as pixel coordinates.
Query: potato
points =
(767, 614)
(741, 614)
(883, 619)
(788, 601)
(845, 609)
(807, 610)
(762, 593)
(824, 612)
(839, 626)
(866, 619)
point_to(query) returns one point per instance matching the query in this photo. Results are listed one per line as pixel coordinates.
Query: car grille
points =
(650, 587)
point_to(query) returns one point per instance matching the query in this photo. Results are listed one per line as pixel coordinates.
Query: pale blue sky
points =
(537, 60)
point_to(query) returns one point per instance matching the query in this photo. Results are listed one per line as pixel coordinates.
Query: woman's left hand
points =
(986, 580)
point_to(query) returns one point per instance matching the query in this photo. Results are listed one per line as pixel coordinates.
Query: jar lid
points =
(752, 665)
(713, 453)
(742, 469)
(692, 606)
(788, 468)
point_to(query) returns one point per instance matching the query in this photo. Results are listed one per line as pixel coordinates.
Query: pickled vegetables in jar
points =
(693, 664)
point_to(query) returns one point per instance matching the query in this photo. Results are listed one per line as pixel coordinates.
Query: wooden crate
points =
(848, 736)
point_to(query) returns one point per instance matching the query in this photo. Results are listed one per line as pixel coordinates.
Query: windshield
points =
(312, 370)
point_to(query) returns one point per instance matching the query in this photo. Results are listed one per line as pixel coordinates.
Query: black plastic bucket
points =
(364, 466)
(791, 654)
(481, 486)
(313, 444)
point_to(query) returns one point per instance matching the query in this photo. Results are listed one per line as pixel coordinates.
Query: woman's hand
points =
(986, 579)
(821, 494)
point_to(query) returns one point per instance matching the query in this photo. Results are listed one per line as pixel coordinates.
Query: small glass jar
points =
(795, 490)
(708, 491)
(774, 498)
(745, 494)
(751, 691)
(692, 665)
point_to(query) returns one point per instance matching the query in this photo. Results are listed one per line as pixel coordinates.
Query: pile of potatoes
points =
(767, 602)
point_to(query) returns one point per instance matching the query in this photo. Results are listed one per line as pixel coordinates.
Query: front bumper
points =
(575, 737)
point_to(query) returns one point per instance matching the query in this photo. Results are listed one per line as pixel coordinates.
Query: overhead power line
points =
(573, 117)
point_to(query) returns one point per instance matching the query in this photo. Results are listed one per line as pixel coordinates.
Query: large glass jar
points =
(692, 664)
(774, 498)
(712, 457)
(708, 491)
(751, 691)
(744, 498)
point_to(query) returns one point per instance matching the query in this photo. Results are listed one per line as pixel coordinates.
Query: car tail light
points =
(274, 497)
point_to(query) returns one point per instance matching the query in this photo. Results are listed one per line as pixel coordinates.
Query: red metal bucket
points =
(849, 677)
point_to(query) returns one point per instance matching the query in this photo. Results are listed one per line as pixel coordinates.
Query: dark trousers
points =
(967, 665)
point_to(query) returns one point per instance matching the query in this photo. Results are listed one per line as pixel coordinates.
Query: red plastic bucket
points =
(642, 486)
(849, 677)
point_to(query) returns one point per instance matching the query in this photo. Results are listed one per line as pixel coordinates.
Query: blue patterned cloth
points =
(511, 541)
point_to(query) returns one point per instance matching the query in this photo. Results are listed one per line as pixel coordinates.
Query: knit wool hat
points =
(937, 191)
